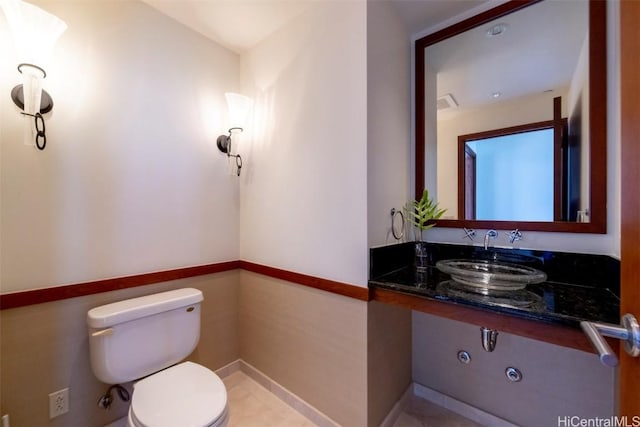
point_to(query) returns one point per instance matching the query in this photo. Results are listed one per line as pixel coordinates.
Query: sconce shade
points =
(239, 107)
(34, 30)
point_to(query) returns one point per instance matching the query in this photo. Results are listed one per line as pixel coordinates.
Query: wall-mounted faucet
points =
(491, 234)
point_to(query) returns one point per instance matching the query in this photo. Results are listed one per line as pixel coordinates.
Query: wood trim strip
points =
(339, 288)
(598, 106)
(37, 296)
(630, 206)
(558, 170)
(554, 334)
(56, 293)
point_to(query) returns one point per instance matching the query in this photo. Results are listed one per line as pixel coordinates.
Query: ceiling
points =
(235, 24)
(538, 52)
(419, 15)
(240, 24)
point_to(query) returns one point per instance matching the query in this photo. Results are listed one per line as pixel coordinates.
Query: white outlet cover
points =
(58, 402)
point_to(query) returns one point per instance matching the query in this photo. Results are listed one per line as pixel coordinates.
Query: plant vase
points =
(421, 214)
(421, 256)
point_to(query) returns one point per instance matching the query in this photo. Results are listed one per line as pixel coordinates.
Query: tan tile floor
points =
(251, 405)
(422, 413)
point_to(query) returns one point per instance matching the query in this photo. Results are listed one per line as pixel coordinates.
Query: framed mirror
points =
(526, 69)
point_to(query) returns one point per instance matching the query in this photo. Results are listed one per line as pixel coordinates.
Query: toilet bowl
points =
(187, 394)
(144, 339)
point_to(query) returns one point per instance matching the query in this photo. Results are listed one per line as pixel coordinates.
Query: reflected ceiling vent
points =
(446, 102)
(497, 30)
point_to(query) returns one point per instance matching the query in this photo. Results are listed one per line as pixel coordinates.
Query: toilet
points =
(145, 340)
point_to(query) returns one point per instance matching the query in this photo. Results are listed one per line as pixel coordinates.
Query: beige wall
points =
(311, 342)
(131, 180)
(557, 381)
(45, 348)
(388, 359)
(348, 358)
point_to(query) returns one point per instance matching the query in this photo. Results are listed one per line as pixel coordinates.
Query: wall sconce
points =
(35, 32)
(239, 106)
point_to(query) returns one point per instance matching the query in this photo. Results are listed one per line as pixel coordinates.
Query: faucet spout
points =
(491, 234)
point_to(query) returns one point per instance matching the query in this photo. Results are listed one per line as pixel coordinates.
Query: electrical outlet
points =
(58, 402)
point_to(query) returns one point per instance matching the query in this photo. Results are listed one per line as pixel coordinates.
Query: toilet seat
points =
(186, 394)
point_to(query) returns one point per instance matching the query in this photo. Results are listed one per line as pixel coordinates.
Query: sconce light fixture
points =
(35, 32)
(239, 106)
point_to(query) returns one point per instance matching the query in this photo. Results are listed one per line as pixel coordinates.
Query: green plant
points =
(421, 213)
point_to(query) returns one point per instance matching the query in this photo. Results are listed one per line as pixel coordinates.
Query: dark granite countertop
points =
(553, 301)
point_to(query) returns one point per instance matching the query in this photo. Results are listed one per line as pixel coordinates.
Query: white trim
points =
(471, 412)
(398, 408)
(291, 399)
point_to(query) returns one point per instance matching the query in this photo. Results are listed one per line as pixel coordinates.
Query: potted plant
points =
(421, 214)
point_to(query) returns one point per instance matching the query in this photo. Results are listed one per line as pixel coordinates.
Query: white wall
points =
(579, 91)
(304, 183)
(388, 119)
(131, 180)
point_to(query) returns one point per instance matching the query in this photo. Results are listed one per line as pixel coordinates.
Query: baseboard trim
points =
(398, 408)
(291, 399)
(461, 408)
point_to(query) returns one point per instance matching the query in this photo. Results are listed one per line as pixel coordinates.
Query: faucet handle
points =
(515, 235)
(469, 233)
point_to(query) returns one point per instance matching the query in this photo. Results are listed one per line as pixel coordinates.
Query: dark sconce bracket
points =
(224, 145)
(46, 102)
(46, 105)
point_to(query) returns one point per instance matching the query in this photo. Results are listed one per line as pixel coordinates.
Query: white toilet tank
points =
(134, 338)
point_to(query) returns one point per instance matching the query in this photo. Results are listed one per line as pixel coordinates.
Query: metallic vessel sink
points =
(483, 276)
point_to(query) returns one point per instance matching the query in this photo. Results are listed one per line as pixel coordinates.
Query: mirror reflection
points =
(508, 176)
(489, 88)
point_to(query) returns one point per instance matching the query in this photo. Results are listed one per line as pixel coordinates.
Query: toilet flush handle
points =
(108, 331)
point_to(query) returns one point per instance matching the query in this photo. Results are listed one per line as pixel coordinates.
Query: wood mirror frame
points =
(597, 120)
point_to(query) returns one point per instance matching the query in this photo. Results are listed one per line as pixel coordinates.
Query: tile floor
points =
(251, 405)
(422, 413)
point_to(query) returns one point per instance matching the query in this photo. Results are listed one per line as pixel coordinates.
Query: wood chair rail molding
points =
(56, 293)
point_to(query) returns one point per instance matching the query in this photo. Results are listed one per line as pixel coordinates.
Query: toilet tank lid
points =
(135, 308)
